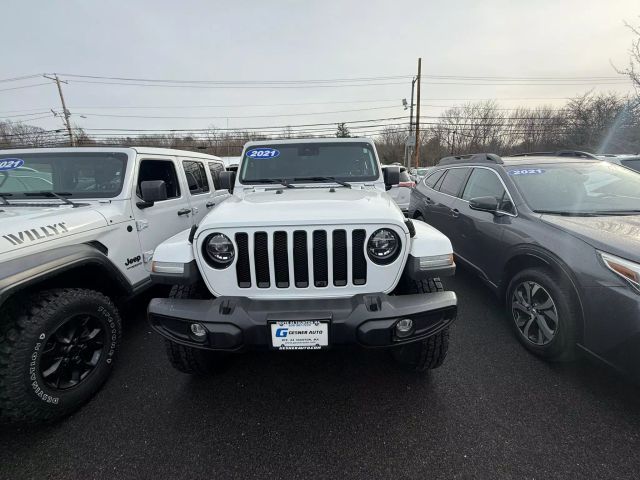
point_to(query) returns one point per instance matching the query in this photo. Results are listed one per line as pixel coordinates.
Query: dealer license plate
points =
(300, 335)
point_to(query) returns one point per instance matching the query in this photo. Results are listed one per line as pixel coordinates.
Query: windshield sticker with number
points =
(526, 171)
(11, 163)
(263, 153)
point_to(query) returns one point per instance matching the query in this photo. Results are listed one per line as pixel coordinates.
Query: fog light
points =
(404, 328)
(198, 330)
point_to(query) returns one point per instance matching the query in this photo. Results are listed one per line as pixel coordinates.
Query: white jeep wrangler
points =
(308, 252)
(78, 228)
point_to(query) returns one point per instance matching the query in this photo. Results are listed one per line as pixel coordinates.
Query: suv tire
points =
(193, 361)
(56, 350)
(424, 354)
(547, 285)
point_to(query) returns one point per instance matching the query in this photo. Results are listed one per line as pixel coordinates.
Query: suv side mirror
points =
(484, 204)
(152, 191)
(227, 180)
(391, 176)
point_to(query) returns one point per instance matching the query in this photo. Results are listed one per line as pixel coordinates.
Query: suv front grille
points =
(322, 253)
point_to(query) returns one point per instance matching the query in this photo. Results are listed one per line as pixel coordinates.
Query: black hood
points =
(616, 234)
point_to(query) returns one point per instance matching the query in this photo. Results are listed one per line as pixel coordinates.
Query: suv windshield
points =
(633, 163)
(81, 175)
(578, 188)
(353, 162)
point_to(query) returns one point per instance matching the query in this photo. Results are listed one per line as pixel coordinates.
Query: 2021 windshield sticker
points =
(263, 152)
(10, 163)
(526, 171)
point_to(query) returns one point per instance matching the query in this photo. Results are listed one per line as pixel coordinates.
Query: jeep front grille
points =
(326, 259)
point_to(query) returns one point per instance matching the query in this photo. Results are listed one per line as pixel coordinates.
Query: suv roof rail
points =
(472, 158)
(558, 153)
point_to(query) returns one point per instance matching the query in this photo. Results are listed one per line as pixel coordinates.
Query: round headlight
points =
(218, 250)
(383, 246)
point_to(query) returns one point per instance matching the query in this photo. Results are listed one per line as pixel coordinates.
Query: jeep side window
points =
(215, 169)
(453, 181)
(431, 180)
(159, 170)
(196, 177)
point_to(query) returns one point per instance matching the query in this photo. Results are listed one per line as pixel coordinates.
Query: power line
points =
(233, 86)
(541, 78)
(104, 107)
(24, 115)
(240, 82)
(244, 128)
(24, 86)
(236, 117)
(17, 79)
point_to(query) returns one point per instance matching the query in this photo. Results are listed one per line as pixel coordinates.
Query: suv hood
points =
(305, 206)
(22, 227)
(619, 235)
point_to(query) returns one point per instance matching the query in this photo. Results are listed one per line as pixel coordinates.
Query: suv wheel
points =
(193, 361)
(424, 354)
(56, 351)
(542, 311)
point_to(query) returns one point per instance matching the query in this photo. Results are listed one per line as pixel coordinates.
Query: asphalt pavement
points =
(491, 411)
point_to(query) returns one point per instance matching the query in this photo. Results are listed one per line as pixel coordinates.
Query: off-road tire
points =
(563, 346)
(424, 354)
(193, 361)
(26, 324)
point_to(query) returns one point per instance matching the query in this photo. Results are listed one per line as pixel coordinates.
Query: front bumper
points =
(237, 323)
(612, 326)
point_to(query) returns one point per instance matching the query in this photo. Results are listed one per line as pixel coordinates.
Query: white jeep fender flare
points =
(430, 255)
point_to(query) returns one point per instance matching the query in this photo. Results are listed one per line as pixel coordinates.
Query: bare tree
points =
(633, 68)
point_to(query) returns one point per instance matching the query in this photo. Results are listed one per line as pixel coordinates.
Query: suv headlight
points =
(628, 270)
(383, 246)
(218, 250)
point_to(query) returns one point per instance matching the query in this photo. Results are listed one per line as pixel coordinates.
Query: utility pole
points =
(408, 162)
(65, 112)
(417, 147)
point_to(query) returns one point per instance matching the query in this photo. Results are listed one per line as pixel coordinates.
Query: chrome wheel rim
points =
(534, 313)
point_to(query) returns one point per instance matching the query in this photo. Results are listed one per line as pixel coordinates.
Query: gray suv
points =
(558, 238)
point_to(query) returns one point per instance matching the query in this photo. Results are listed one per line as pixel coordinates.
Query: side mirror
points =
(484, 204)
(391, 176)
(152, 191)
(227, 180)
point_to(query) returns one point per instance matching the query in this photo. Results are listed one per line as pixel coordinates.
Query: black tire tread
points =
(429, 353)
(192, 361)
(18, 317)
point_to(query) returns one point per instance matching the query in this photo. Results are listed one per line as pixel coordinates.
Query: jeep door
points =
(219, 195)
(479, 235)
(164, 218)
(199, 187)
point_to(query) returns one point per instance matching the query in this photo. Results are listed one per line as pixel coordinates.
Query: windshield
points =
(633, 164)
(353, 162)
(80, 175)
(578, 188)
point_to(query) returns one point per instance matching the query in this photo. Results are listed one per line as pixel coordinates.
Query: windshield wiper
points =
(45, 193)
(3, 198)
(322, 179)
(615, 212)
(589, 213)
(281, 181)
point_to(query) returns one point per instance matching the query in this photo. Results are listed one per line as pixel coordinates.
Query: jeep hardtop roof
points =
(310, 140)
(139, 150)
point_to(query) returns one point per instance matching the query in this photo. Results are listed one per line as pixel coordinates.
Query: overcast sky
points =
(300, 40)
